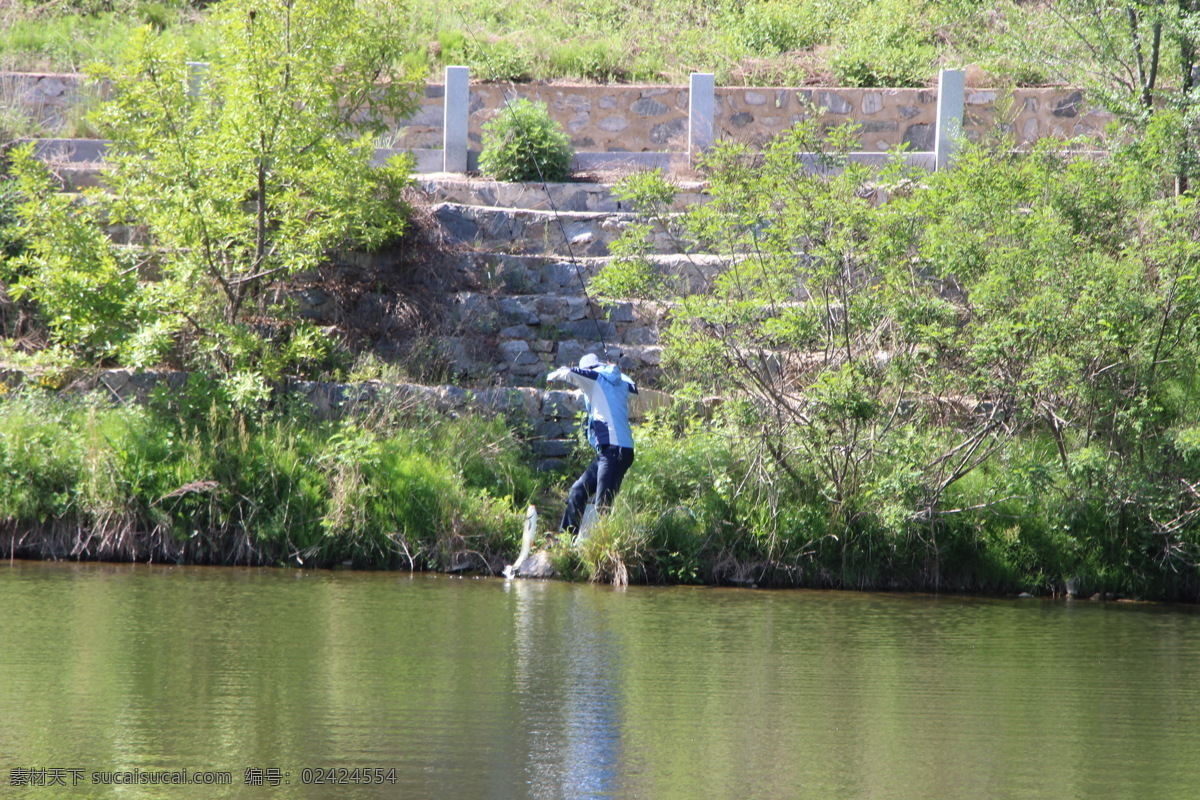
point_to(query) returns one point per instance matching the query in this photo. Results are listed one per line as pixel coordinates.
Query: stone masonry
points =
(654, 118)
(625, 118)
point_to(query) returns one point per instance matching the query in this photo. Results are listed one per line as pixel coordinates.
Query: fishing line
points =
(549, 199)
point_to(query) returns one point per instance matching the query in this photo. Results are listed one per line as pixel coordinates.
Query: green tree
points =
(793, 320)
(882, 337)
(85, 285)
(1138, 59)
(243, 172)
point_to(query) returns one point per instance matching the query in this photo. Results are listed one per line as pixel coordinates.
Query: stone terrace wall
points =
(47, 98)
(552, 415)
(654, 118)
(606, 119)
(890, 117)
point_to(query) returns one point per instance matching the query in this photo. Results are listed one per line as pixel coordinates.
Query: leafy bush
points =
(524, 144)
(772, 27)
(498, 61)
(11, 239)
(632, 273)
(452, 46)
(79, 279)
(629, 275)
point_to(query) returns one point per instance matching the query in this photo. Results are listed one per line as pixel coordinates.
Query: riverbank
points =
(405, 488)
(186, 481)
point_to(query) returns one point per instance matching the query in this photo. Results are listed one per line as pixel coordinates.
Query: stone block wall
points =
(607, 119)
(892, 117)
(516, 339)
(624, 118)
(48, 99)
(1038, 113)
(654, 118)
(889, 117)
(552, 414)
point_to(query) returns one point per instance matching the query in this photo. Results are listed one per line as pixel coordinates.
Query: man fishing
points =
(606, 392)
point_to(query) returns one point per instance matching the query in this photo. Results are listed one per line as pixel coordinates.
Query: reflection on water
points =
(578, 756)
(482, 688)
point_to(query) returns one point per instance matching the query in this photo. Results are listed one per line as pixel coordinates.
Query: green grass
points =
(59, 41)
(860, 42)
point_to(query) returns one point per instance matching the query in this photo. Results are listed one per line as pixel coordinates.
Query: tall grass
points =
(80, 478)
(69, 42)
(412, 490)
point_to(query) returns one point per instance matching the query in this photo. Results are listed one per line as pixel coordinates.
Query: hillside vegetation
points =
(762, 42)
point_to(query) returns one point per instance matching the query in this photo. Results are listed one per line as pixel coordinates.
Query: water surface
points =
(480, 688)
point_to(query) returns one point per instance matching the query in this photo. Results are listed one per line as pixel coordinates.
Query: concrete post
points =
(701, 113)
(457, 112)
(952, 85)
(196, 72)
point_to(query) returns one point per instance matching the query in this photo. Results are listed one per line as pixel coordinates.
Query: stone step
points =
(76, 177)
(558, 316)
(595, 197)
(517, 362)
(506, 230)
(79, 163)
(531, 274)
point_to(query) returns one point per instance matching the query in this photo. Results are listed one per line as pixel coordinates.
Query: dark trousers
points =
(602, 478)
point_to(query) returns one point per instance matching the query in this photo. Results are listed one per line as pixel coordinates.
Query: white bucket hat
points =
(589, 361)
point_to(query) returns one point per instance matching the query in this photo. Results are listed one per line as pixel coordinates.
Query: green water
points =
(485, 689)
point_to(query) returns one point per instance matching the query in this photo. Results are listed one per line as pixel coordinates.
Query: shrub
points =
(523, 143)
(11, 239)
(81, 282)
(499, 61)
(770, 28)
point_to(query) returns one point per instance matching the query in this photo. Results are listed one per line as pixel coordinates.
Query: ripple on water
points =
(539, 690)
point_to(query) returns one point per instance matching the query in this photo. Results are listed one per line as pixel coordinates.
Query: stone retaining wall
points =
(50, 99)
(654, 118)
(533, 334)
(552, 415)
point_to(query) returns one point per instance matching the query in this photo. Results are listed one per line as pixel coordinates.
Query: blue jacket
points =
(606, 392)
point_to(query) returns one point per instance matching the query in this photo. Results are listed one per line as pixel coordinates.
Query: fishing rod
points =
(550, 200)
